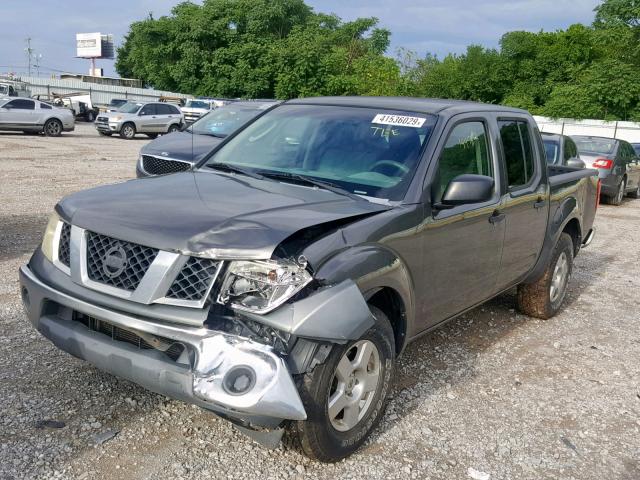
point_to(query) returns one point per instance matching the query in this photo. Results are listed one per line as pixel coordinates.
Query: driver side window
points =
(149, 109)
(466, 151)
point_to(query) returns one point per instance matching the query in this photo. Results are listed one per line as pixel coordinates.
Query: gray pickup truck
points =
(277, 283)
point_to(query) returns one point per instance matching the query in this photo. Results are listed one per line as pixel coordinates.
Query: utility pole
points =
(29, 51)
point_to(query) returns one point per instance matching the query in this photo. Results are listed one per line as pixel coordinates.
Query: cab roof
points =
(422, 105)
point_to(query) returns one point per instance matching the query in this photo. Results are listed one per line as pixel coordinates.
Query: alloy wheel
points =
(560, 277)
(354, 385)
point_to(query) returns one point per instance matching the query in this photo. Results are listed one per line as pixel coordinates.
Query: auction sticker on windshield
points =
(398, 120)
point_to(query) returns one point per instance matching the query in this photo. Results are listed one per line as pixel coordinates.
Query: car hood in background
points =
(121, 115)
(207, 213)
(181, 146)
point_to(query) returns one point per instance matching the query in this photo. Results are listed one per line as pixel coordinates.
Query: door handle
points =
(539, 204)
(496, 217)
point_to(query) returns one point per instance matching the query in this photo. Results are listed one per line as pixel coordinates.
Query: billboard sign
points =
(89, 45)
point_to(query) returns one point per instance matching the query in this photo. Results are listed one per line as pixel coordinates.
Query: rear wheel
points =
(90, 116)
(345, 397)
(544, 298)
(619, 195)
(52, 127)
(128, 131)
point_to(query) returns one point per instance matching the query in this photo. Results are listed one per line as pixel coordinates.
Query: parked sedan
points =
(151, 118)
(32, 116)
(561, 150)
(617, 162)
(179, 151)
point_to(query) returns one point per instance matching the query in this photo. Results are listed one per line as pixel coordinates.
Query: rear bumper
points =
(198, 376)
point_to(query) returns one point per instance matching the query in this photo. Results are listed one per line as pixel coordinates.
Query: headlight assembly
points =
(49, 238)
(261, 286)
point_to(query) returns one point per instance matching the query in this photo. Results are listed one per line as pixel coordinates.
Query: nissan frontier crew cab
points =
(276, 284)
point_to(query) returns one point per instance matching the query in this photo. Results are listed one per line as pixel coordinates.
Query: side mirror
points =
(576, 163)
(466, 189)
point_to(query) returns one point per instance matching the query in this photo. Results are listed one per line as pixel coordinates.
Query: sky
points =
(424, 26)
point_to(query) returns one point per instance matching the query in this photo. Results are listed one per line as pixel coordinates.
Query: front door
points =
(462, 246)
(18, 113)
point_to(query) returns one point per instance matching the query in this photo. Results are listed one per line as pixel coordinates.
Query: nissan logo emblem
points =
(114, 261)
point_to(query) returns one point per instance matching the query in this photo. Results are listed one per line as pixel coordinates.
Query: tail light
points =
(603, 163)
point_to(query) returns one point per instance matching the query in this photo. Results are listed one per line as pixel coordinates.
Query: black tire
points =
(173, 128)
(152, 135)
(538, 299)
(52, 127)
(128, 131)
(104, 134)
(90, 116)
(617, 198)
(636, 192)
(317, 437)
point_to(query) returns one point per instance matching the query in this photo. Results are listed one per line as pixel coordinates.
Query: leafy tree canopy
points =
(284, 49)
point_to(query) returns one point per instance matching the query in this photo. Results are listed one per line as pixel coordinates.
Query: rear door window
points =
(570, 150)
(518, 152)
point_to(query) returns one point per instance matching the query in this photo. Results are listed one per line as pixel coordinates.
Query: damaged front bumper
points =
(237, 378)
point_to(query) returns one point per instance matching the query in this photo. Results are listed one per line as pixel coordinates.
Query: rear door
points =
(525, 202)
(18, 113)
(168, 114)
(462, 246)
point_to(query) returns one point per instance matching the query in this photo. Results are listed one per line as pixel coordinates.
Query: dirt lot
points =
(493, 392)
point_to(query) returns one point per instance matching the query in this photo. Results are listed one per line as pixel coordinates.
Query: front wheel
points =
(544, 298)
(636, 192)
(345, 397)
(128, 131)
(173, 128)
(52, 127)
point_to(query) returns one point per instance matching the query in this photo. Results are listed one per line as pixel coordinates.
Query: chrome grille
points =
(137, 259)
(167, 346)
(161, 166)
(194, 280)
(64, 248)
(102, 119)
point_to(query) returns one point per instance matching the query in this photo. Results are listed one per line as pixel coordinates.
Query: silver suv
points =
(32, 116)
(151, 119)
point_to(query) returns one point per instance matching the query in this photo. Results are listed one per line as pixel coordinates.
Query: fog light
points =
(239, 380)
(26, 301)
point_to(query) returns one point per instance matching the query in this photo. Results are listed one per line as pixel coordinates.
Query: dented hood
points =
(208, 213)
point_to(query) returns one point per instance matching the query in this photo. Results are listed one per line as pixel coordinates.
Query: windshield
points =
(225, 120)
(595, 145)
(129, 107)
(197, 104)
(365, 151)
(552, 149)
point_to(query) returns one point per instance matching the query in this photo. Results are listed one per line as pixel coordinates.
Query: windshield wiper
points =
(211, 134)
(296, 177)
(227, 167)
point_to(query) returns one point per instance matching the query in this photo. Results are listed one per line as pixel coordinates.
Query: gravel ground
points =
(494, 394)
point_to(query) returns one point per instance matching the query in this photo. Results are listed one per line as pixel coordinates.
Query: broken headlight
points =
(260, 286)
